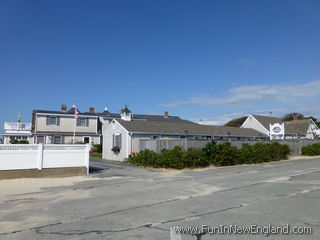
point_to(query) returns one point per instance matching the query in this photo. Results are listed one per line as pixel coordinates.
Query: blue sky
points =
(209, 60)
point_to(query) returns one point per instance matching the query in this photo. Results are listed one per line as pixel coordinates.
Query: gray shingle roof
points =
(107, 114)
(299, 127)
(69, 112)
(186, 128)
(157, 118)
(265, 120)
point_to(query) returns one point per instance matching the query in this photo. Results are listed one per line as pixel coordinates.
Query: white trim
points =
(66, 115)
(111, 124)
(258, 122)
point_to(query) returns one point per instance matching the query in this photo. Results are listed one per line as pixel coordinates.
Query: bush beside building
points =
(213, 154)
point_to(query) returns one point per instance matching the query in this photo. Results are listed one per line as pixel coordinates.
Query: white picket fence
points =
(39, 156)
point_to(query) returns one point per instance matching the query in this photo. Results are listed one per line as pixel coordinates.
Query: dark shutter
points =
(47, 120)
(120, 140)
(113, 139)
(52, 139)
(87, 122)
(58, 121)
(62, 139)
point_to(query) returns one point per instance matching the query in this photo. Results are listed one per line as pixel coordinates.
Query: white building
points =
(18, 131)
(275, 128)
(57, 127)
(122, 136)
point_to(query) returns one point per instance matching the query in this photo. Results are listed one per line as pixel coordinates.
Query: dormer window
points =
(53, 120)
(84, 122)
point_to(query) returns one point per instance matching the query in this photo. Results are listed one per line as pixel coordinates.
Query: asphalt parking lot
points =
(118, 201)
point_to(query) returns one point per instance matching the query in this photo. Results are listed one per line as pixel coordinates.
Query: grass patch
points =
(96, 155)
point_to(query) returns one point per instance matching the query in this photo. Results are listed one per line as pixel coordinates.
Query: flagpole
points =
(75, 123)
(74, 131)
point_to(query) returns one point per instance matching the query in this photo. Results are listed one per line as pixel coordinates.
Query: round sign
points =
(276, 129)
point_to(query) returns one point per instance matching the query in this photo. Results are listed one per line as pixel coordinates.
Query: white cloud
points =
(244, 95)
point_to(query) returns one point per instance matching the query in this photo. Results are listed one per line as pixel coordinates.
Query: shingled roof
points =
(265, 120)
(299, 127)
(107, 115)
(186, 128)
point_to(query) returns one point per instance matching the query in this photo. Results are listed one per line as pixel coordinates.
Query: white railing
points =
(18, 126)
(18, 147)
(39, 156)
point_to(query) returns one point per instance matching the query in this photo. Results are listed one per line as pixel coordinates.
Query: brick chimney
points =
(63, 108)
(166, 114)
(295, 117)
(91, 109)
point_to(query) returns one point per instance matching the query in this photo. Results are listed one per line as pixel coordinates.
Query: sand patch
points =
(31, 185)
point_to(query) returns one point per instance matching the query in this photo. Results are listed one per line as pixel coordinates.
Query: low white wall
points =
(38, 156)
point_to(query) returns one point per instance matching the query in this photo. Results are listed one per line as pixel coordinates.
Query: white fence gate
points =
(39, 156)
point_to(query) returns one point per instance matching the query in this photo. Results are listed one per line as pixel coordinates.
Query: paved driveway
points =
(123, 202)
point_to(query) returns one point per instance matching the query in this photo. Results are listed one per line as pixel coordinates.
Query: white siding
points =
(66, 125)
(115, 128)
(38, 156)
(253, 123)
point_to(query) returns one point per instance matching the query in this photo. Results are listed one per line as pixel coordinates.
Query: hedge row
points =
(311, 150)
(213, 154)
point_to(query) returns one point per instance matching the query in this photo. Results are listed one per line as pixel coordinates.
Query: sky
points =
(210, 60)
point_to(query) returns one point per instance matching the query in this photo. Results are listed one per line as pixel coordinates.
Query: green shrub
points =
(211, 150)
(145, 158)
(195, 158)
(213, 154)
(311, 150)
(98, 148)
(16, 141)
(263, 152)
(226, 155)
(172, 158)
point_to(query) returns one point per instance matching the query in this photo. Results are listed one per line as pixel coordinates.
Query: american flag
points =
(76, 113)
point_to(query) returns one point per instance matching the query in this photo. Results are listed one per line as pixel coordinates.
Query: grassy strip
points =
(96, 155)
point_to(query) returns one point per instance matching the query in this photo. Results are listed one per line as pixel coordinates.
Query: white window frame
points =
(84, 123)
(55, 120)
(117, 140)
(54, 139)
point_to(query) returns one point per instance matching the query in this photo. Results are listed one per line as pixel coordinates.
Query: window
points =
(52, 120)
(57, 139)
(25, 138)
(82, 122)
(117, 140)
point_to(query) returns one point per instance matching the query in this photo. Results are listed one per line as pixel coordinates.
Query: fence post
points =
(87, 157)
(40, 156)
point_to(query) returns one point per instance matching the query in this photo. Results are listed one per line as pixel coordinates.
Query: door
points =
(40, 139)
(86, 139)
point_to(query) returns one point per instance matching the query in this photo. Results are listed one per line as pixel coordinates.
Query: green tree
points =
(292, 116)
(237, 122)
